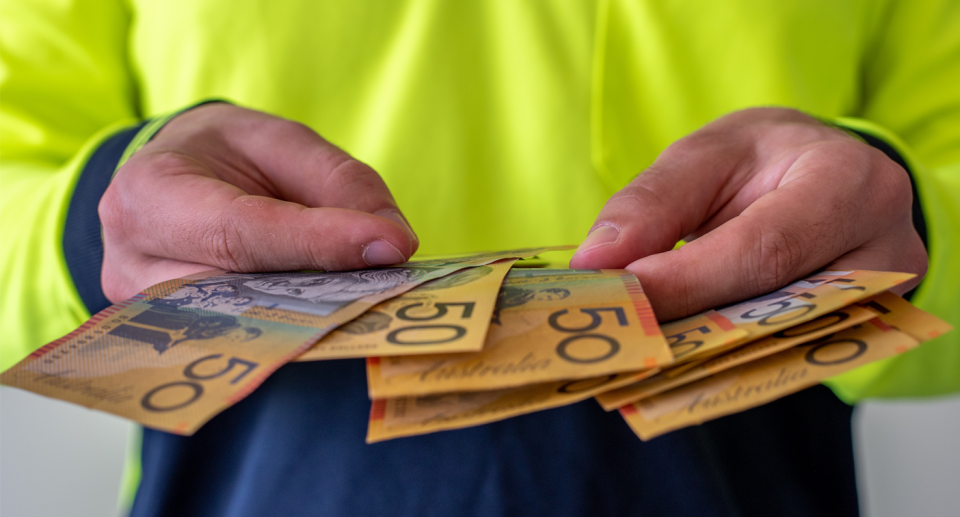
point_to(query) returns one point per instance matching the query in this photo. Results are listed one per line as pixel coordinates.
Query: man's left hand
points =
(764, 196)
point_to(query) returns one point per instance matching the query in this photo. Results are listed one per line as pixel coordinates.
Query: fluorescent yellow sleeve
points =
(934, 368)
(64, 88)
(913, 103)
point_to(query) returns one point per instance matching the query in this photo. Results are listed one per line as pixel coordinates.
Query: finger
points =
(785, 235)
(699, 183)
(297, 163)
(319, 174)
(901, 251)
(687, 183)
(207, 221)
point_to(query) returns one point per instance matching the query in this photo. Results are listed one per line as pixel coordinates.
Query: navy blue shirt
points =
(296, 447)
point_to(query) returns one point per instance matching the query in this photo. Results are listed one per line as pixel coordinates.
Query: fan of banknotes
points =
(463, 341)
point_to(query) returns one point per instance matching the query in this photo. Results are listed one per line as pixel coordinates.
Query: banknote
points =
(767, 379)
(422, 414)
(698, 335)
(805, 300)
(829, 323)
(902, 315)
(321, 300)
(175, 355)
(549, 325)
(167, 367)
(450, 314)
(705, 330)
(796, 303)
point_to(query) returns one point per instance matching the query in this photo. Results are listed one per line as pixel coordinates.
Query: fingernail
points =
(382, 253)
(397, 217)
(601, 235)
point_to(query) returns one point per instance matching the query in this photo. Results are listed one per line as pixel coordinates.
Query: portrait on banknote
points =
(311, 292)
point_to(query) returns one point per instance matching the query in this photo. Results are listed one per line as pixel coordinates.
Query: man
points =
(495, 125)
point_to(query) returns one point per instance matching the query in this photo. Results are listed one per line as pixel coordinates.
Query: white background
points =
(57, 459)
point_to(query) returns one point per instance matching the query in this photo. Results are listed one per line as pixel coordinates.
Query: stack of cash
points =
(464, 341)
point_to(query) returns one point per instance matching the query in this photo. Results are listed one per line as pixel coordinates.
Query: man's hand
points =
(226, 187)
(765, 196)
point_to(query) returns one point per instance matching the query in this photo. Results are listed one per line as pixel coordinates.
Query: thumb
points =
(204, 220)
(271, 156)
(670, 200)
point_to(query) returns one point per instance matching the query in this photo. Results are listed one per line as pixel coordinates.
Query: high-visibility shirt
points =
(496, 124)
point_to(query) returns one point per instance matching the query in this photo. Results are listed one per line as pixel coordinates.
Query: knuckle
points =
(720, 147)
(151, 163)
(875, 185)
(638, 202)
(114, 276)
(919, 263)
(707, 140)
(291, 129)
(891, 184)
(353, 175)
(121, 206)
(112, 209)
(282, 131)
(637, 195)
(330, 258)
(296, 127)
(915, 258)
(778, 254)
(225, 245)
(691, 297)
(113, 288)
(870, 171)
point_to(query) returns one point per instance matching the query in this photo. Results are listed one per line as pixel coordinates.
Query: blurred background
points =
(57, 459)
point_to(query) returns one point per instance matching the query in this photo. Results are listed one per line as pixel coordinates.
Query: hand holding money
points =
(177, 354)
(465, 341)
(765, 195)
(225, 187)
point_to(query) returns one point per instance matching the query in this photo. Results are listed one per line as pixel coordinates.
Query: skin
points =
(763, 196)
(244, 191)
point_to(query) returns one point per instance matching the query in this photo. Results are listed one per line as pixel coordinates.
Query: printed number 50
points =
(195, 388)
(395, 336)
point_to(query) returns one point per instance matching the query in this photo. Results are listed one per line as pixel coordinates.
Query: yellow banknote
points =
(409, 416)
(450, 314)
(766, 379)
(183, 350)
(806, 299)
(901, 315)
(549, 325)
(166, 367)
(827, 324)
(707, 330)
(796, 303)
(694, 343)
(321, 300)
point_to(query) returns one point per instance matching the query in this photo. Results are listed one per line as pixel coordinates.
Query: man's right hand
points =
(226, 187)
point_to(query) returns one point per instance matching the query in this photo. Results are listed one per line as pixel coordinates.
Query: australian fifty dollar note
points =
(898, 328)
(697, 337)
(549, 325)
(177, 354)
(450, 314)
